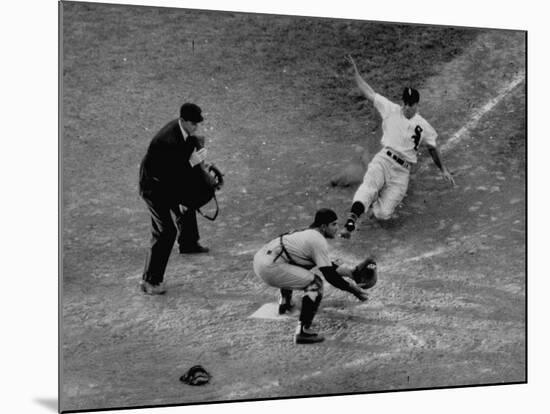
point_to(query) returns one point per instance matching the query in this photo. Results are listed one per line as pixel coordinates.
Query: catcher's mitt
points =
(364, 274)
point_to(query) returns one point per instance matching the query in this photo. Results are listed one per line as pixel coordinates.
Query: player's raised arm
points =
(361, 83)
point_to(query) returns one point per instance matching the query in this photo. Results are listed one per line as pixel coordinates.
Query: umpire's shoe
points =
(193, 248)
(307, 336)
(152, 289)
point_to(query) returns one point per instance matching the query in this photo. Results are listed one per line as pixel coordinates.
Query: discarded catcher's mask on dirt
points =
(196, 375)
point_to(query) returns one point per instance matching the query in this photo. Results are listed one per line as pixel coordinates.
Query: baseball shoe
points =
(193, 248)
(285, 301)
(285, 307)
(307, 336)
(349, 227)
(152, 289)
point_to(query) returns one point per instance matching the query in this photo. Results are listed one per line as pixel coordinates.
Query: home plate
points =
(271, 311)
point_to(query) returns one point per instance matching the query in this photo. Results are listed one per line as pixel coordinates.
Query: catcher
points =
(288, 263)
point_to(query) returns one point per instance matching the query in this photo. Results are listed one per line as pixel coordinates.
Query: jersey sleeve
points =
(319, 251)
(383, 105)
(429, 136)
(335, 279)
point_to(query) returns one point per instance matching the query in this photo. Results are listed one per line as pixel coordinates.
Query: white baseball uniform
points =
(307, 249)
(387, 178)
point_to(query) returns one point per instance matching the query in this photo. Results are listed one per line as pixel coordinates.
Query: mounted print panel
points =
(336, 141)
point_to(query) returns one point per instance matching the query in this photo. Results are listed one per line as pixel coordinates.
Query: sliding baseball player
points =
(387, 178)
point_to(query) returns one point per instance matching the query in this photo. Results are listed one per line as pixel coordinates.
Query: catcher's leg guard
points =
(310, 303)
(313, 293)
(285, 302)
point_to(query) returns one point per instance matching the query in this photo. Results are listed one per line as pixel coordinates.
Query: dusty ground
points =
(282, 119)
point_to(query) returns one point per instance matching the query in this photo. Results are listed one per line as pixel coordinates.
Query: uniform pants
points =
(188, 231)
(163, 235)
(384, 185)
(280, 274)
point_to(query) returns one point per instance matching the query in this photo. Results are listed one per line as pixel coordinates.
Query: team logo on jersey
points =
(416, 137)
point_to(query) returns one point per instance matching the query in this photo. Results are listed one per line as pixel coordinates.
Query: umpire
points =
(166, 175)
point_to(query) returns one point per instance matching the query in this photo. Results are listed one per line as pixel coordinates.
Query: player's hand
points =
(351, 61)
(448, 177)
(360, 294)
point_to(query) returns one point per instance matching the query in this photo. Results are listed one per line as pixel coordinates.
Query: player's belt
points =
(398, 160)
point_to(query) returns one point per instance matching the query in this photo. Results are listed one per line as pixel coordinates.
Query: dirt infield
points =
(282, 117)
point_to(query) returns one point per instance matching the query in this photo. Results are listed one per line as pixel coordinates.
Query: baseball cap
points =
(191, 112)
(410, 96)
(324, 216)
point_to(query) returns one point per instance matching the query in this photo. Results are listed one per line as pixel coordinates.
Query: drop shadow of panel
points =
(49, 403)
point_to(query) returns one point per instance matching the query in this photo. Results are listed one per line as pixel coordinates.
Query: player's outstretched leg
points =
(357, 208)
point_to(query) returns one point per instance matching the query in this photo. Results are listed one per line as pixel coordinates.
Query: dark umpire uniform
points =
(166, 177)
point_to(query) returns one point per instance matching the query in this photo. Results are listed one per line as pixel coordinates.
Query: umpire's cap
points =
(410, 96)
(324, 216)
(191, 112)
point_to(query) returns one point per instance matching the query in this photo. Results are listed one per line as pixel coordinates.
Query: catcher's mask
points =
(196, 375)
(218, 176)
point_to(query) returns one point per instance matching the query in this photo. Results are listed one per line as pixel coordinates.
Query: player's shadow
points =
(50, 403)
(390, 225)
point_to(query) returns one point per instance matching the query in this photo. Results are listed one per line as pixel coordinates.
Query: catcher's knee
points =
(315, 289)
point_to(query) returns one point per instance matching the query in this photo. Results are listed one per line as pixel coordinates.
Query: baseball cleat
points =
(152, 289)
(348, 228)
(304, 338)
(307, 336)
(285, 301)
(285, 307)
(194, 248)
(350, 225)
